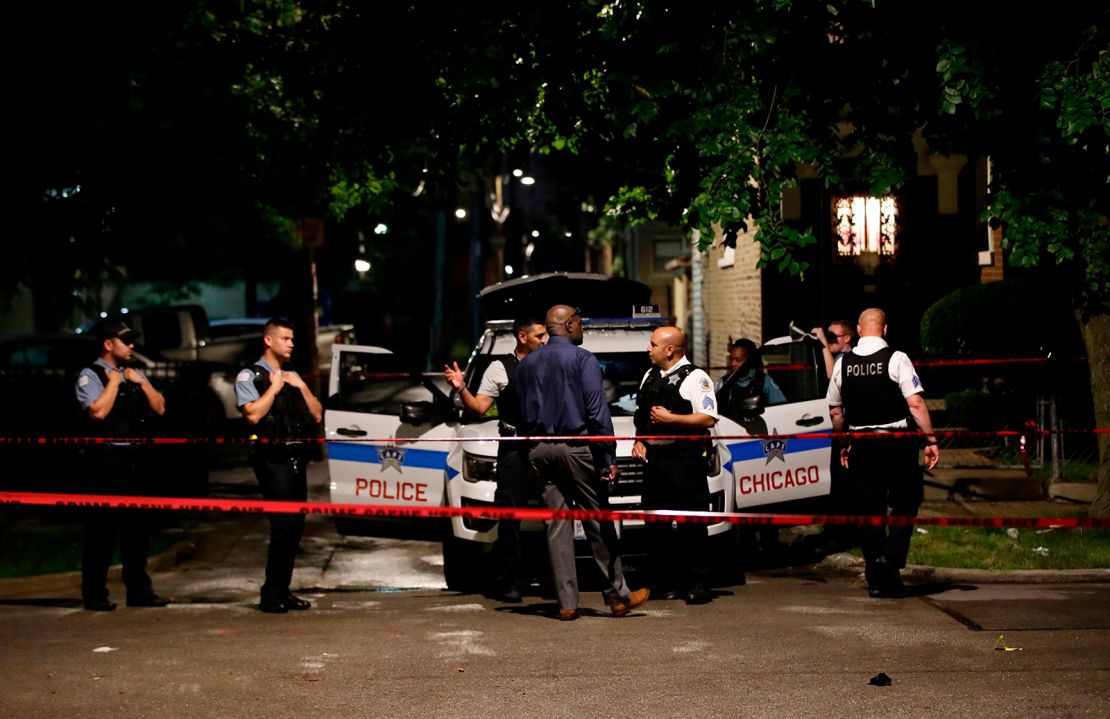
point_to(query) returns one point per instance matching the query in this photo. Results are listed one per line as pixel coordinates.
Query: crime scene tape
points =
(885, 434)
(255, 506)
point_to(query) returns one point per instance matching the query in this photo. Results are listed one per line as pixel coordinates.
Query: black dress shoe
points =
(147, 600)
(272, 606)
(698, 594)
(295, 604)
(671, 594)
(100, 605)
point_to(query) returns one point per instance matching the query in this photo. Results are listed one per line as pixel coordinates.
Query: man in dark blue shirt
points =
(561, 395)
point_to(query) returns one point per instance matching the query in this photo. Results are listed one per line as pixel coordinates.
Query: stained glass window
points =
(865, 224)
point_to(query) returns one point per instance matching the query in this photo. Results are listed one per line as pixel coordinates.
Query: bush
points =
(1010, 318)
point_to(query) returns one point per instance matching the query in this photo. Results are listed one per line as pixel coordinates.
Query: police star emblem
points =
(774, 448)
(391, 457)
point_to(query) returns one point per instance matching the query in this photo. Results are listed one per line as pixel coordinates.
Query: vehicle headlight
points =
(478, 468)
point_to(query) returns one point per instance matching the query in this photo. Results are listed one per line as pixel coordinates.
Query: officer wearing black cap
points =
(284, 413)
(676, 398)
(120, 406)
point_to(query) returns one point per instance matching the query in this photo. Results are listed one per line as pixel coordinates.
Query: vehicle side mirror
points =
(749, 406)
(417, 413)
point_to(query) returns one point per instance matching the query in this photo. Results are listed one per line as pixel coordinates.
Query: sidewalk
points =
(230, 552)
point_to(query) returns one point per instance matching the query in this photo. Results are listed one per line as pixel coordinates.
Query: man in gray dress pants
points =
(561, 395)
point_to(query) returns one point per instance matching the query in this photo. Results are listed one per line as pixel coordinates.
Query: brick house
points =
(901, 252)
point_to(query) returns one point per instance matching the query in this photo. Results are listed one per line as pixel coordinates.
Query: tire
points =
(464, 565)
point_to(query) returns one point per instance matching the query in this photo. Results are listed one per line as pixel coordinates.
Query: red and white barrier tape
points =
(256, 506)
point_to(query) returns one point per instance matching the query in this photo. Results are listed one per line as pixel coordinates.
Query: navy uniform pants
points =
(513, 490)
(888, 478)
(123, 471)
(675, 479)
(283, 476)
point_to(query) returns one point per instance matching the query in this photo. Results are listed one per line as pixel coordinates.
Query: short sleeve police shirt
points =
(245, 391)
(697, 388)
(901, 370)
(89, 387)
(494, 379)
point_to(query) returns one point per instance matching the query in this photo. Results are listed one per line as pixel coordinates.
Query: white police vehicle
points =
(448, 459)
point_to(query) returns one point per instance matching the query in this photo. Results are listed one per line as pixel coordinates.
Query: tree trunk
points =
(1096, 335)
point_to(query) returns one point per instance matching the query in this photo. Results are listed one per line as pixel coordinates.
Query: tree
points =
(184, 123)
(712, 109)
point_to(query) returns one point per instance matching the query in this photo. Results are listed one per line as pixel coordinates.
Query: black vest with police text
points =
(869, 396)
(288, 418)
(131, 415)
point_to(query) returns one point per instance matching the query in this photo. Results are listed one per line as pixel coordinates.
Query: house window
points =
(865, 225)
(665, 251)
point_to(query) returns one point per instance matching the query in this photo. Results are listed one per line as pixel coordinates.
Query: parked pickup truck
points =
(450, 459)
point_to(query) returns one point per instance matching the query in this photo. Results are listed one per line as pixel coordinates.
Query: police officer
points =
(746, 377)
(513, 485)
(120, 405)
(284, 413)
(875, 389)
(676, 398)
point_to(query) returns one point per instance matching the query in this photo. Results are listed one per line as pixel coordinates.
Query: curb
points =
(849, 565)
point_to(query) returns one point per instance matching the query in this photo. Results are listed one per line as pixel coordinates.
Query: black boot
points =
(273, 601)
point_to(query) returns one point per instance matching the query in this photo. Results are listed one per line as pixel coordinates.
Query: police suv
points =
(446, 458)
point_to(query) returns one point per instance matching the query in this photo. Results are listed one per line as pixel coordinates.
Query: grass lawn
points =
(989, 548)
(29, 548)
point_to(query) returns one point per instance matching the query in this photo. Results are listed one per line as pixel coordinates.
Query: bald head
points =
(564, 321)
(667, 346)
(872, 323)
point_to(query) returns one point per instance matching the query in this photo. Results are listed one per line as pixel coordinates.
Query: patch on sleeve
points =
(707, 403)
(245, 375)
(916, 382)
(703, 384)
(82, 380)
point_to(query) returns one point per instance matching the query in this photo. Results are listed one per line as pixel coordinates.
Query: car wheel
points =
(464, 565)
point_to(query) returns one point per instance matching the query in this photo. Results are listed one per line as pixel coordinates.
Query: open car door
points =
(377, 413)
(768, 469)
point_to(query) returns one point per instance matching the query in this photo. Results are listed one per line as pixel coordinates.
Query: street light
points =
(528, 180)
(460, 213)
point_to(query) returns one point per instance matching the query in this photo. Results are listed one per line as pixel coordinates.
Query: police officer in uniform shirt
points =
(120, 406)
(676, 398)
(513, 485)
(284, 413)
(875, 389)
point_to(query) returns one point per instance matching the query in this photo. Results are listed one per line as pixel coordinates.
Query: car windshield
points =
(621, 374)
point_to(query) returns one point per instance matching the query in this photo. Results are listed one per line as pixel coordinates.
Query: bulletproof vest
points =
(870, 397)
(733, 391)
(661, 391)
(508, 411)
(288, 418)
(131, 415)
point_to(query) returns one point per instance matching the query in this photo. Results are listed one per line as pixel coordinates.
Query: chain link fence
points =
(977, 400)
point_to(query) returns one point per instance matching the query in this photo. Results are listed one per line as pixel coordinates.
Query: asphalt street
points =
(385, 638)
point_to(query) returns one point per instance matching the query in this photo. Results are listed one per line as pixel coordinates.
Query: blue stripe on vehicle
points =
(419, 458)
(745, 451)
